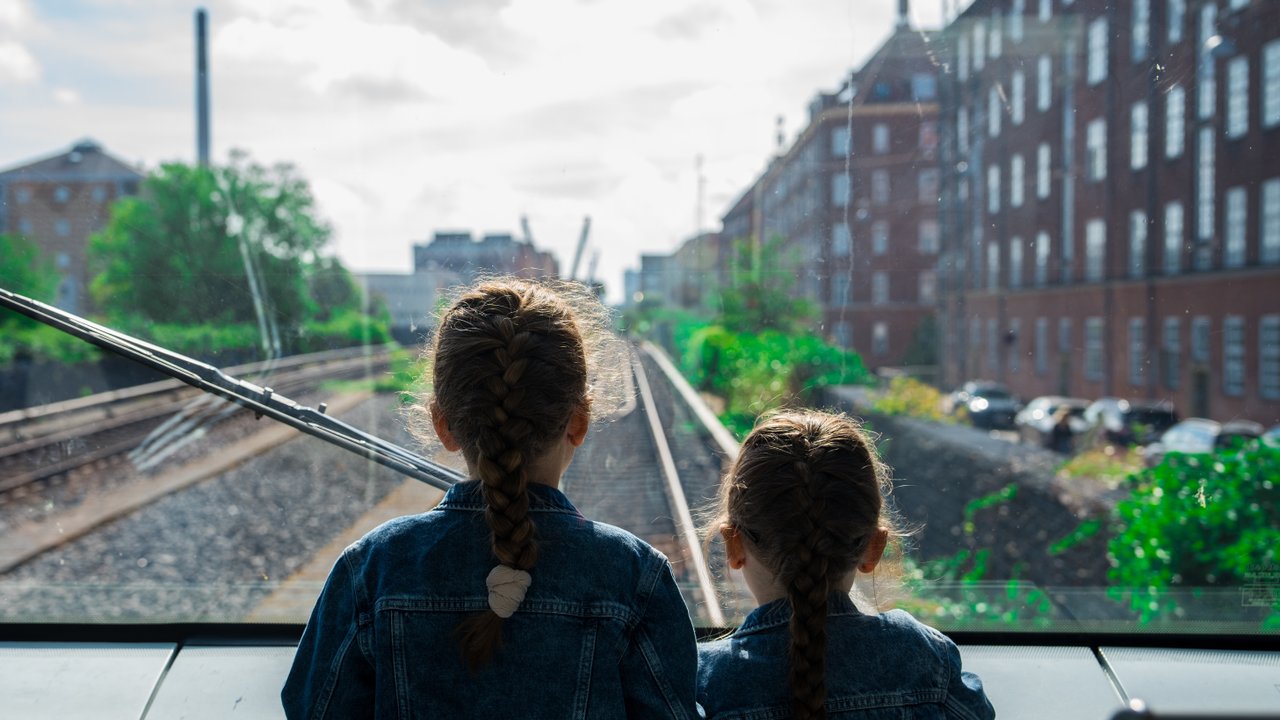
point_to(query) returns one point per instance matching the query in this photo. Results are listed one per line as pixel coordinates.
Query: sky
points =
(411, 116)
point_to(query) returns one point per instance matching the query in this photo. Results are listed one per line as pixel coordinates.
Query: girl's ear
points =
(734, 552)
(579, 421)
(875, 550)
(442, 429)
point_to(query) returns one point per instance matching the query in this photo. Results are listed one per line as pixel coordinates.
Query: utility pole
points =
(202, 89)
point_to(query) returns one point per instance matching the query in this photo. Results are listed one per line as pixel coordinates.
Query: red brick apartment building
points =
(1111, 201)
(854, 200)
(58, 202)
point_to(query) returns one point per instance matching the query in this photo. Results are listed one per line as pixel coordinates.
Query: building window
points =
(928, 287)
(1200, 340)
(61, 194)
(1138, 136)
(1173, 232)
(1171, 352)
(1018, 97)
(994, 108)
(841, 240)
(880, 139)
(1017, 8)
(1269, 357)
(1015, 338)
(993, 346)
(1044, 83)
(1095, 250)
(927, 186)
(928, 141)
(1042, 258)
(879, 237)
(1237, 97)
(1271, 221)
(63, 261)
(1141, 29)
(1237, 4)
(928, 236)
(22, 195)
(62, 227)
(1043, 171)
(1097, 70)
(1137, 352)
(1016, 183)
(1177, 18)
(993, 189)
(997, 35)
(1093, 368)
(1015, 262)
(1042, 346)
(24, 227)
(1137, 244)
(1067, 257)
(1064, 335)
(840, 190)
(1233, 355)
(924, 86)
(879, 288)
(1204, 185)
(842, 334)
(1046, 10)
(962, 58)
(839, 141)
(962, 129)
(993, 266)
(1205, 81)
(1096, 149)
(1234, 235)
(1271, 84)
(880, 339)
(880, 187)
(979, 45)
(840, 290)
(1175, 121)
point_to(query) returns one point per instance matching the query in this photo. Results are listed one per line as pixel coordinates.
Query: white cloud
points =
(17, 65)
(66, 96)
(13, 13)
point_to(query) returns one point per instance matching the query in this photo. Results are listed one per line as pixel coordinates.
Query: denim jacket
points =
(602, 632)
(878, 666)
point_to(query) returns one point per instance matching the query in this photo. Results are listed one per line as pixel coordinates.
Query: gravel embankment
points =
(211, 552)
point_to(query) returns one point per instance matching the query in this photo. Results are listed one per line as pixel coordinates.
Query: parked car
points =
(1198, 435)
(987, 404)
(1130, 422)
(1035, 423)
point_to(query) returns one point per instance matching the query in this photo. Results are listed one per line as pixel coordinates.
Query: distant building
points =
(1111, 201)
(58, 202)
(657, 280)
(494, 253)
(411, 299)
(853, 202)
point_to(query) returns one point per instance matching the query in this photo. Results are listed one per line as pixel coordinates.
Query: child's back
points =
(801, 513)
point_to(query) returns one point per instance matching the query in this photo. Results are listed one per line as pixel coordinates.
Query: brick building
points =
(853, 202)
(1110, 214)
(58, 202)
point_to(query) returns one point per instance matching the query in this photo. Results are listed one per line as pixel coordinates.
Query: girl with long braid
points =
(502, 601)
(802, 512)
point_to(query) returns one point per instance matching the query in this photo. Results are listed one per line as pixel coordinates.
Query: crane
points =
(582, 244)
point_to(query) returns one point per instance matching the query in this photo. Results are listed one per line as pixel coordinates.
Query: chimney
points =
(202, 90)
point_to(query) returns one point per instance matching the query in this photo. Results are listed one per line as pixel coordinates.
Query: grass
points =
(1108, 465)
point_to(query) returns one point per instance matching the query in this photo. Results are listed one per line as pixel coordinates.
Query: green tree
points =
(759, 296)
(24, 270)
(203, 245)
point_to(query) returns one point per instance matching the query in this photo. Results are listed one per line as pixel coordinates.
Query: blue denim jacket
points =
(878, 666)
(602, 632)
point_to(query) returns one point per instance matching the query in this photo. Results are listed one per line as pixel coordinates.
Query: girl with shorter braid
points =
(503, 601)
(802, 512)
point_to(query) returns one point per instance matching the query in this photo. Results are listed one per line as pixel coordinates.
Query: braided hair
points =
(806, 493)
(509, 372)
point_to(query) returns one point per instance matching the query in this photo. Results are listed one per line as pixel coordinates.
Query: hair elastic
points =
(507, 587)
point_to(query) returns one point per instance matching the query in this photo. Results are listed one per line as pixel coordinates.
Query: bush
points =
(909, 397)
(1197, 521)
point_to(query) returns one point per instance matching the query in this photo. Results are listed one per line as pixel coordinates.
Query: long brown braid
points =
(509, 371)
(806, 493)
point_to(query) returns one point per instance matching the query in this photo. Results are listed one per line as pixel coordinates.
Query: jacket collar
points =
(778, 613)
(542, 498)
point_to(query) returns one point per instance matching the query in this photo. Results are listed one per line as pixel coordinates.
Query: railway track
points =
(101, 431)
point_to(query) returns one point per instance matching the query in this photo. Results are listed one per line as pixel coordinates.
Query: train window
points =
(782, 210)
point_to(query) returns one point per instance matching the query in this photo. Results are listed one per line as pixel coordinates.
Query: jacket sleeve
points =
(659, 668)
(965, 697)
(332, 676)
